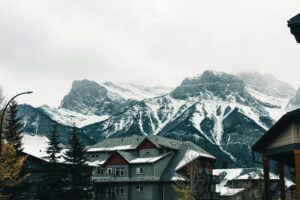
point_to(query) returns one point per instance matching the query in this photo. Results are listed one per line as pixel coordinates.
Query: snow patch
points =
(71, 118)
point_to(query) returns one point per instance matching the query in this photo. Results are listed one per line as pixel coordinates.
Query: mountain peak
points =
(210, 83)
(267, 84)
(89, 97)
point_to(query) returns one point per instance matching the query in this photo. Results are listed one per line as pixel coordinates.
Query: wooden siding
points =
(286, 137)
(116, 159)
(146, 144)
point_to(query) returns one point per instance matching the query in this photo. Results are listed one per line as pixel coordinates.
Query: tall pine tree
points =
(13, 129)
(54, 180)
(80, 176)
(53, 149)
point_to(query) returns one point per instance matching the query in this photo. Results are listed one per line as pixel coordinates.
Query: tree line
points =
(67, 174)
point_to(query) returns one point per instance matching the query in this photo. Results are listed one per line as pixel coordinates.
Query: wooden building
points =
(281, 143)
(147, 167)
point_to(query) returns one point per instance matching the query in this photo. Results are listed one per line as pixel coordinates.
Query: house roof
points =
(294, 20)
(129, 143)
(183, 152)
(240, 174)
(276, 130)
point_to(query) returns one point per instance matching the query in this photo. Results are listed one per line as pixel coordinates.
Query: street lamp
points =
(294, 24)
(3, 112)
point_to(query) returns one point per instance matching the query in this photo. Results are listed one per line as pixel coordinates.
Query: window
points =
(109, 171)
(101, 171)
(110, 190)
(98, 170)
(117, 172)
(121, 190)
(140, 188)
(122, 172)
(139, 170)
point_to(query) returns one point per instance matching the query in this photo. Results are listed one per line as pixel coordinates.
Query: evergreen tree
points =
(13, 129)
(53, 149)
(80, 175)
(10, 170)
(54, 180)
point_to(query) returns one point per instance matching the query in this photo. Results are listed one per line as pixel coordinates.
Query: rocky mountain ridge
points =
(223, 113)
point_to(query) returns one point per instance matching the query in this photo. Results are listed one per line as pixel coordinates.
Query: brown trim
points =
(116, 159)
(282, 149)
(266, 178)
(281, 181)
(297, 169)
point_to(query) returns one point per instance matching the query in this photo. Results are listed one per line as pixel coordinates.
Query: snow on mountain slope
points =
(276, 106)
(136, 92)
(71, 118)
(217, 111)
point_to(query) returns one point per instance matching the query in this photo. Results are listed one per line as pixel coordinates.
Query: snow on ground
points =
(70, 118)
(136, 92)
(35, 145)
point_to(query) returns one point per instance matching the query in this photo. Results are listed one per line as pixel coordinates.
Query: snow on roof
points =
(115, 148)
(188, 157)
(256, 175)
(96, 163)
(288, 183)
(227, 191)
(148, 159)
(179, 177)
(229, 173)
(241, 174)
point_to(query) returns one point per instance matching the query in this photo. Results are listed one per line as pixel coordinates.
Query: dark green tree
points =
(53, 149)
(13, 128)
(55, 179)
(80, 173)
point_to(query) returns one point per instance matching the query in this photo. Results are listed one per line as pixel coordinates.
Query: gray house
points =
(146, 167)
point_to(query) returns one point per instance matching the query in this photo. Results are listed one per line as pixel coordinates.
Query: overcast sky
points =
(45, 45)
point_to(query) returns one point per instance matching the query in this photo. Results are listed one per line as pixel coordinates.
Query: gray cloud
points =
(45, 45)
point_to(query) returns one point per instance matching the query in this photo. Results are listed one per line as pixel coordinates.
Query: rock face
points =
(88, 97)
(223, 113)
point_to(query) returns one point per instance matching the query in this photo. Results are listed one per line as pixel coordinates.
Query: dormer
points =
(148, 148)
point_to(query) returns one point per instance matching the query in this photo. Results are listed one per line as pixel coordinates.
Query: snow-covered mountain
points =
(71, 118)
(223, 113)
(136, 92)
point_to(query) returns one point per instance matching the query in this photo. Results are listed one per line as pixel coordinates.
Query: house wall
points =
(150, 192)
(149, 152)
(148, 170)
(160, 166)
(169, 192)
(126, 170)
